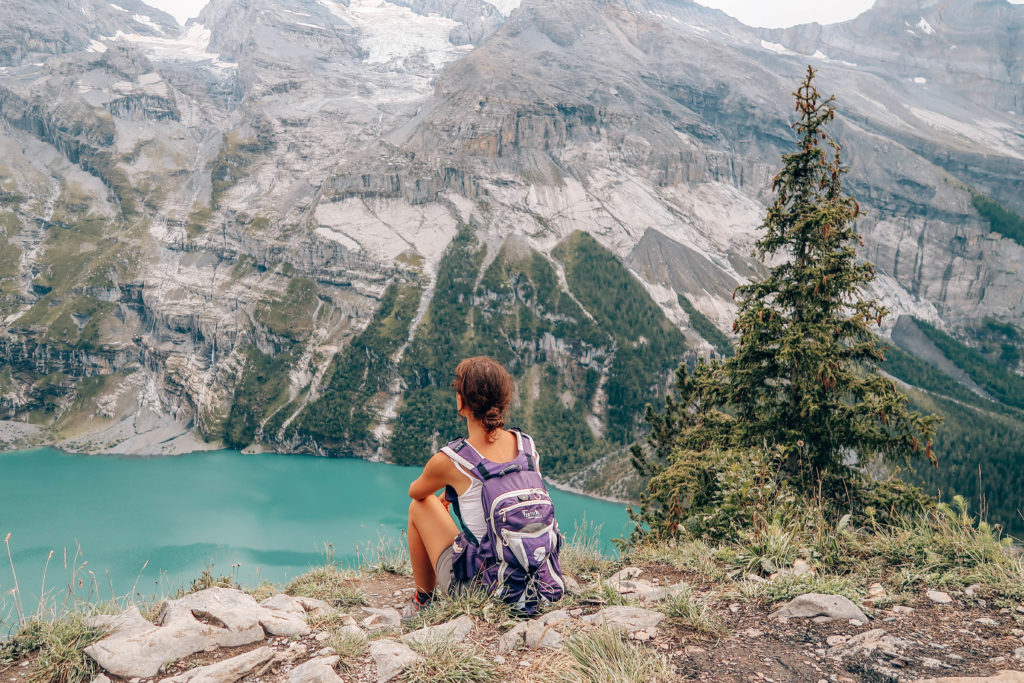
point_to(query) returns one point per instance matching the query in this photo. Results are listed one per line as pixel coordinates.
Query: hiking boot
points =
(418, 602)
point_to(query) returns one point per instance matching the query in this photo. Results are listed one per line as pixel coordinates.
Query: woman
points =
(491, 466)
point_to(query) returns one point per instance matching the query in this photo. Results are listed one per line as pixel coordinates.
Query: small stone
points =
(695, 650)
(101, 679)
(386, 617)
(902, 609)
(856, 622)
(817, 605)
(1020, 608)
(753, 633)
(929, 663)
(321, 636)
(734, 607)
(801, 567)
(391, 658)
(626, 617)
(997, 660)
(939, 597)
(987, 621)
(953, 657)
(456, 629)
(836, 640)
(971, 590)
(525, 663)
(1019, 653)
(642, 636)
(326, 651)
(575, 612)
(319, 670)
(754, 578)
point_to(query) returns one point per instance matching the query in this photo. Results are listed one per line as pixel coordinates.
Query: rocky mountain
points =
(280, 224)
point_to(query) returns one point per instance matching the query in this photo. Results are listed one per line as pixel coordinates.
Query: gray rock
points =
(391, 658)
(939, 597)
(456, 629)
(869, 643)
(815, 605)
(206, 620)
(100, 679)
(539, 635)
(227, 671)
(319, 670)
(381, 617)
(352, 630)
(298, 606)
(512, 638)
(629, 618)
(572, 587)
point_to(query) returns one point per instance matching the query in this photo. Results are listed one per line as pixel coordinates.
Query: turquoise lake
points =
(155, 523)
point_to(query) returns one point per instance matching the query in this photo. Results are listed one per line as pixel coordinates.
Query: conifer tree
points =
(803, 381)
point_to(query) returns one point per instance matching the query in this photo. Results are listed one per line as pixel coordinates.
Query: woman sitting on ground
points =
(493, 479)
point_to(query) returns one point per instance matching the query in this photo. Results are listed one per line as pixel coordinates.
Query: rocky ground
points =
(671, 626)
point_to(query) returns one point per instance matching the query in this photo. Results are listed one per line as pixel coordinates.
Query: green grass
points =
(685, 609)
(473, 601)
(606, 655)
(293, 314)
(57, 647)
(445, 661)
(581, 555)
(348, 645)
(387, 556)
(328, 583)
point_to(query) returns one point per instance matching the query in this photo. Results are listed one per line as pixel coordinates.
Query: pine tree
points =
(803, 380)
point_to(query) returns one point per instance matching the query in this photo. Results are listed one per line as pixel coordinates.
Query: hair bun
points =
(493, 419)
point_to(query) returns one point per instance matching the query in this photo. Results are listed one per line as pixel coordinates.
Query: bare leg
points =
(431, 530)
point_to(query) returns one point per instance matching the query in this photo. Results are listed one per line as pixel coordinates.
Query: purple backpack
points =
(517, 559)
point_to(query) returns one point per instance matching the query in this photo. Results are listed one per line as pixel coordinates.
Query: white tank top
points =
(471, 508)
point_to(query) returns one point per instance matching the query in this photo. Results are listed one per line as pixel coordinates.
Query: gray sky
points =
(774, 13)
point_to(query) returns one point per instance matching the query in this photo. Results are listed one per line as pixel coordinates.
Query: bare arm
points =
(436, 475)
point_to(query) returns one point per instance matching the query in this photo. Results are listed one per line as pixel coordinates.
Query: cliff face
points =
(212, 228)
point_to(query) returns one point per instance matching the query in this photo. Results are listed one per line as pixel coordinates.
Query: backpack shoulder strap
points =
(462, 454)
(527, 447)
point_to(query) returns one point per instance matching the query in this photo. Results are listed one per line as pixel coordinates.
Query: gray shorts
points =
(446, 583)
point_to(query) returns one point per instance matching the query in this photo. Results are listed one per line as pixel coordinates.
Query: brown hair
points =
(486, 389)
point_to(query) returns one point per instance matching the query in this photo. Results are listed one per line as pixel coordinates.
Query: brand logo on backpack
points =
(533, 514)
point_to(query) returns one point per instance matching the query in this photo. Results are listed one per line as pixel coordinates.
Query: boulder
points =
(205, 620)
(227, 671)
(319, 670)
(456, 629)
(626, 617)
(818, 605)
(391, 658)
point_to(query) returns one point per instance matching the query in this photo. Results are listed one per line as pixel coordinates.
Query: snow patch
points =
(190, 46)
(391, 33)
(146, 21)
(776, 48)
(996, 136)
(96, 46)
(504, 6)
(118, 7)
(926, 27)
(920, 80)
